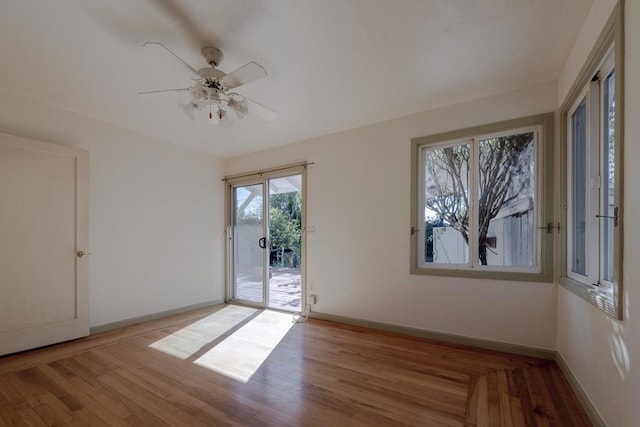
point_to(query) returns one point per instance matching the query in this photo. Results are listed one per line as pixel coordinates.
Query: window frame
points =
(605, 295)
(421, 195)
(542, 270)
(586, 97)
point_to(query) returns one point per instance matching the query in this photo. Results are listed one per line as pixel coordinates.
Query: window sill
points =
(516, 276)
(600, 298)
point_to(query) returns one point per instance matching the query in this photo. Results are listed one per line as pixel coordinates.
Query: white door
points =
(44, 239)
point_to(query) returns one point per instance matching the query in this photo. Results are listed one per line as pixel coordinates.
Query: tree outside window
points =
(504, 200)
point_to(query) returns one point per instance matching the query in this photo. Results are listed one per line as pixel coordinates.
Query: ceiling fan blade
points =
(184, 89)
(177, 12)
(243, 75)
(184, 63)
(262, 111)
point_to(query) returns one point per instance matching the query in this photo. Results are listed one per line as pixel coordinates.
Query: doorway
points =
(265, 240)
(44, 224)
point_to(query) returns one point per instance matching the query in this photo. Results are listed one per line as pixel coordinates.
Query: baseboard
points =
(541, 353)
(583, 398)
(148, 317)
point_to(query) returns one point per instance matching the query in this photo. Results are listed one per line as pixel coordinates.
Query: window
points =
(592, 199)
(592, 214)
(481, 201)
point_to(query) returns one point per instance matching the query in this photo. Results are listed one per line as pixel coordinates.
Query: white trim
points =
(607, 69)
(474, 193)
(418, 228)
(594, 179)
(508, 132)
(252, 181)
(582, 97)
(421, 201)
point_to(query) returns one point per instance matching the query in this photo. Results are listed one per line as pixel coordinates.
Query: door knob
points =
(82, 254)
(262, 242)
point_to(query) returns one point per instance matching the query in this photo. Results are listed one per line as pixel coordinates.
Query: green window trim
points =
(610, 300)
(543, 271)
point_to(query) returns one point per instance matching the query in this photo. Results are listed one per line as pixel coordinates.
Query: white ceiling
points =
(332, 64)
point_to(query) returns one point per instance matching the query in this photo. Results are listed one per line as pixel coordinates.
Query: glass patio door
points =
(265, 244)
(284, 291)
(249, 244)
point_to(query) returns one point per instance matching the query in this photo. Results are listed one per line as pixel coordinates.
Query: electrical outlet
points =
(312, 286)
(311, 230)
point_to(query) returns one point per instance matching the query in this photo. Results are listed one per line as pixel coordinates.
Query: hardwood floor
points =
(320, 373)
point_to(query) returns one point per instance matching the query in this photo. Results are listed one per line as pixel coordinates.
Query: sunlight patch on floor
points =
(240, 355)
(187, 341)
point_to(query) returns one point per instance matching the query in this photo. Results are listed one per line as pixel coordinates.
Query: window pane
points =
(578, 190)
(446, 205)
(506, 204)
(248, 229)
(609, 169)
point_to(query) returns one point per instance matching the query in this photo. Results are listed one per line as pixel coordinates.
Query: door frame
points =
(256, 177)
(230, 235)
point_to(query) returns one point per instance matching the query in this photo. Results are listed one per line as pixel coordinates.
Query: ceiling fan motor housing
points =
(212, 55)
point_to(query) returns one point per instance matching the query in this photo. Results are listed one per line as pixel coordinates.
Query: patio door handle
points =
(262, 242)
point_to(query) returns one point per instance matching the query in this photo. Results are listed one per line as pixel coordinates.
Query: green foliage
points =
(283, 232)
(429, 225)
(285, 226)
(290, 204)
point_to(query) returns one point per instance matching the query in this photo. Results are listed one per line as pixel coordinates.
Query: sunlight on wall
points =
(187, 341)
(240, 355)
(626, 306)
(619, 351)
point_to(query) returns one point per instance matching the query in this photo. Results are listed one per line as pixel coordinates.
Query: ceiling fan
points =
(213, 88)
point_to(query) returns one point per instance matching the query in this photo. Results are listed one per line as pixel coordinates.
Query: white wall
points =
(359, 202)
(604, 354)
(156, 212)
(589, 33)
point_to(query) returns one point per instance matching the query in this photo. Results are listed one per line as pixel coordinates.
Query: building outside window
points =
(481, 206)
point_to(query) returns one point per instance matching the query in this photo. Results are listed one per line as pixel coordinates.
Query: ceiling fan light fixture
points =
(213, 87)
(239, 106)
(205, 92)
(224, 120)
(189, 109)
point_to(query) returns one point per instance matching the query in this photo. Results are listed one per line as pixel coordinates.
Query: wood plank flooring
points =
(320, 374)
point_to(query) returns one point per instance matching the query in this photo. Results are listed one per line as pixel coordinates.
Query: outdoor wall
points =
(359, 203)
(603, 353)
(155, 210)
